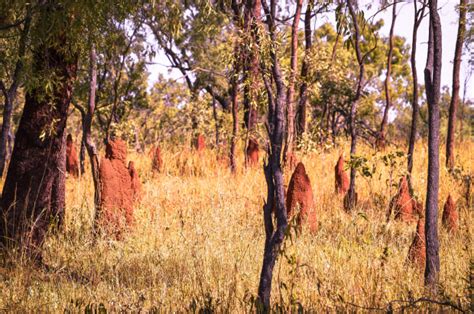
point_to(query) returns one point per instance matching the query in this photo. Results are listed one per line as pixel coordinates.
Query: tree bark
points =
(418, 17)
(290, 110)
(388, 101)
(432, 82)
(87, 140)
(301, 111)
(32, 194)
(453, 107)
(10, 94)
(273, 171)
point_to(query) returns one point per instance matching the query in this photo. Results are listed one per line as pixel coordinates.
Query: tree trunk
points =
(290, 110)
(273, 172)
(301, 111)
(414, 103)
(58, 200)
(216, 120)
(351, 197)
(32, 194)
(388, 101)
(10, 94)
(432, 82)
(251, 65)
(235, 111)
(87, 140)
(453, 107)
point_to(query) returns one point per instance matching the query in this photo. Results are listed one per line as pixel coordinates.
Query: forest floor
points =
(199, 237)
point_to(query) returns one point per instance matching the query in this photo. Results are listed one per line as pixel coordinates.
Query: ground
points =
(199, 237)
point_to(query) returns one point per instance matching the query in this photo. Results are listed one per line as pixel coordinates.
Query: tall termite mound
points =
(157, 161)
(417, 251)
(72, 162)
(252, 152)
(136, 183)
(403, 204)
(199, 143)
(341, 178)
(116, 204)
(450, 215)
(300, 195)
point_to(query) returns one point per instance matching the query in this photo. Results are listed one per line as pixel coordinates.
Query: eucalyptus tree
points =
(33, 193)
(290, 106)
(15, 76)
(432, 75)
(453, 107)
(387, 87)
(355, 39)
(275, 202)
(303, 89)
(418, 17)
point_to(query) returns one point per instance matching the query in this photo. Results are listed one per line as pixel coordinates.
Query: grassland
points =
(199, 237)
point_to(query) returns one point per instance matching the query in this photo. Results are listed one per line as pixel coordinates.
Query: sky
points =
(403, 27)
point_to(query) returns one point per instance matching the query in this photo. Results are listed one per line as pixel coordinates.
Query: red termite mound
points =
(200, 143)
(252, 152)
(417, 251)
(404, 205)
(341, 178)
(72, 162)
(450, 215)
(300, 194)
(157, 162)
(116, 188)
(136, 184)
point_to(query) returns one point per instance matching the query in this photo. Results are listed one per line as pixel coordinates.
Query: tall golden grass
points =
(199, 238)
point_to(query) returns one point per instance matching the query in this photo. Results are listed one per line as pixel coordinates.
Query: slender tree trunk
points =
(388, 101)
(31, 194)
(251, 65)
(351, 197)
(216, 120)
(453, 107)
(235, 111)
(273, 171)
(418, 14)
(432, 82)
(58, 199)
(82, 152)
(10, 94)
(87, 140)
(301, 111)
(290, 106)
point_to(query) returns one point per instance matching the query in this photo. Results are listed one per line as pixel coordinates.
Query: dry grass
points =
(199, 240)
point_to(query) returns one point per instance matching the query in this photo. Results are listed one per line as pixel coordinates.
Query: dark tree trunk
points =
(419, 13)
(351, 197)
(273, 172)
(32, 194)
(216, 120)
(301, 111)
(388, 101)
(82, 154)
(453, 107)
(432, 82)
(290, 106)
(10, 94)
